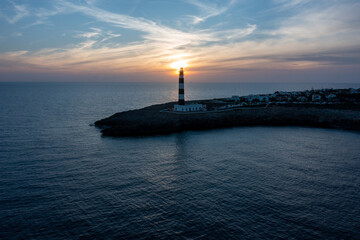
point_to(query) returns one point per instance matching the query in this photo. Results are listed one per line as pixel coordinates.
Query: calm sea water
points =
(59, 179)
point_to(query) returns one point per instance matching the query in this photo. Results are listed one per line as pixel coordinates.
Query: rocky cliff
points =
(152, 120)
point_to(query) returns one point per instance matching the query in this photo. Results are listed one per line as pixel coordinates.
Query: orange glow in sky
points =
(178, 64)
(297, 42)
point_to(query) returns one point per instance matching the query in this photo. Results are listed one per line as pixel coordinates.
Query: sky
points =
(147, 40)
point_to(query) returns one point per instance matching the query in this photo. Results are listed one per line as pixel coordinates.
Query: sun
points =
(178, 64)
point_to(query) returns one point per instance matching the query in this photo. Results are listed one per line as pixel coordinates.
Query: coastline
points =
(153, 120)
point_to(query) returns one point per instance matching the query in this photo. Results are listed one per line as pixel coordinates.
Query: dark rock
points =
(151, 120)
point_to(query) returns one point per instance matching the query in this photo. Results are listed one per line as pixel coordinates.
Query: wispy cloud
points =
(16, 34)
(286, 4)
(94, 33)
(154, 31)
(235, 33)
(98, 35)
(322, 22)
(208, 10)
(20, 10)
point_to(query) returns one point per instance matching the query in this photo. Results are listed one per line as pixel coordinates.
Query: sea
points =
(60, 179)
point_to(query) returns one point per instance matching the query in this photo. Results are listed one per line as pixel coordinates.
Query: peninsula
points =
(329, 108)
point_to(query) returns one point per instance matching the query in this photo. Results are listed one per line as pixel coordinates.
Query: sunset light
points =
(178, 64)
(147, 40)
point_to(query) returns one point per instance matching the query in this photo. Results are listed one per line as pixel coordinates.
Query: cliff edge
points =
(153, 120)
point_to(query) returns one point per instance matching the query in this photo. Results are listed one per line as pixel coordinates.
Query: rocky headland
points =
(159, 119)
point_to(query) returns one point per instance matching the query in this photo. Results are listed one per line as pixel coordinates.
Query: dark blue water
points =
(59, 179)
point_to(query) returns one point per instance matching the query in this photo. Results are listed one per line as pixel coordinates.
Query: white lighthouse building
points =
(181, 106)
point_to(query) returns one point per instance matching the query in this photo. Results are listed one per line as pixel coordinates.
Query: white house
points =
(353, 91)
(189, 107)
(331, 96)
(302, 99)
(316, 97)
(263, 98)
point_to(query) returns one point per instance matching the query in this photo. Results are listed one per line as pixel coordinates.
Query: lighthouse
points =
(181, 107)
(181, 87)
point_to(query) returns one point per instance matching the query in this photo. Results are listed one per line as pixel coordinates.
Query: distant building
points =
(263, 98)
(331, 96)
(354, 91)
(302, 99)
(181, 106)
(316, 97)
(235, 98)
(188, 108)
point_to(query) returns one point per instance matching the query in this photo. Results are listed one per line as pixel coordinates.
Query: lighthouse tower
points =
(181, 87)
(181, 107)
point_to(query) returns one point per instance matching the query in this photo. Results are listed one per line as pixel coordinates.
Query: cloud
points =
(235, 33)
(208, 10)
(95, 33)
(16, 34)
(98, 35)
(21, 11)
(331, 57)
(312, 38)
(322, 22)
(287, 4)
(136, 5)
(155, 31)
(42, 15)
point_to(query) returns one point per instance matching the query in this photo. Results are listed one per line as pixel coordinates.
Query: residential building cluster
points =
(319, 96)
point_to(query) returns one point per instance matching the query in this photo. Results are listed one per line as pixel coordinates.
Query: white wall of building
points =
(188, 108)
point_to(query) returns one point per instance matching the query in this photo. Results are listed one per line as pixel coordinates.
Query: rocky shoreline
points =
(153, 120)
